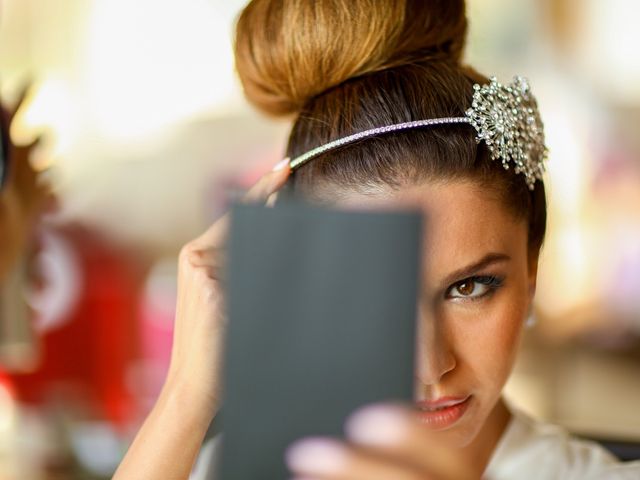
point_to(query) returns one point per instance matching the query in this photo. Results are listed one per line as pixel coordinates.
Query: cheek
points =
(488, 336)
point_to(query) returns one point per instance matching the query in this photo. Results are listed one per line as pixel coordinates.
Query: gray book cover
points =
(322, 309)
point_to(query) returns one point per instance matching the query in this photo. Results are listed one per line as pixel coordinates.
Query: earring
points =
(531, 321)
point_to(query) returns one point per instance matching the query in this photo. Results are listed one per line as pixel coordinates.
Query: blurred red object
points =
(86, 349)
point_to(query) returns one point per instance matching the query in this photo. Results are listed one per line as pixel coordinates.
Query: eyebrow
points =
(470, 270)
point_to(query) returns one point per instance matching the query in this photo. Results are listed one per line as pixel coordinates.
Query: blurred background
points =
(144, 132)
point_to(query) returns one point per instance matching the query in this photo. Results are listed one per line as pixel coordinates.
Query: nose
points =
(434, 355)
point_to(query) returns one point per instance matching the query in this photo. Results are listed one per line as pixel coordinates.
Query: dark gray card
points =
(322, 308)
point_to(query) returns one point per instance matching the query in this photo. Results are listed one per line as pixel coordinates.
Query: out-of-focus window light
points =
(48, 109)
(151, 63)
(612, 37)
(131, 70)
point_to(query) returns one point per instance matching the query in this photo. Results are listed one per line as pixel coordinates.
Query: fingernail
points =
(377, 426)
(281, 165)
(320, 456)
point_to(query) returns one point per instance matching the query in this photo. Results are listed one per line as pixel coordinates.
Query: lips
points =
(442, 413)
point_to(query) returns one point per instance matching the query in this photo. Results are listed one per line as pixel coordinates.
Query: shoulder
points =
(547, 451)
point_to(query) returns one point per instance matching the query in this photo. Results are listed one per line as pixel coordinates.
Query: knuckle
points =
(259, 190)
(186, 250)
(188, 253)
(210, 273)
(204, 273)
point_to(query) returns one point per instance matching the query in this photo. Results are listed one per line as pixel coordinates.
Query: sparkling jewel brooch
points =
(505, 117)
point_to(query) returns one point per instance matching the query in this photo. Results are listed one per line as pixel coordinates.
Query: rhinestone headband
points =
(505, 117)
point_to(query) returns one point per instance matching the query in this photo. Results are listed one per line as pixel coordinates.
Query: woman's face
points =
(476, 289)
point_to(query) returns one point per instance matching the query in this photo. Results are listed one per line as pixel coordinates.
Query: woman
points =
(343, 67)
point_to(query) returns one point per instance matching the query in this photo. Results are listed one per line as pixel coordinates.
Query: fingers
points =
(271, 201)
(259, 192)
(269, 183)
(204, 257)
(385, 441)
(212, 260)
(394, 431)
(323, 458)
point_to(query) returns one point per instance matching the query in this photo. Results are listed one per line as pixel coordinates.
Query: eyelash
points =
(492, 281)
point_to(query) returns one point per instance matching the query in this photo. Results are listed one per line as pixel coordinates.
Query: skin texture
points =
(170, 438)
(465, 347)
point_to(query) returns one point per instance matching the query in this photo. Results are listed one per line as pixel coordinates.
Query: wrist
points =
(190, 396)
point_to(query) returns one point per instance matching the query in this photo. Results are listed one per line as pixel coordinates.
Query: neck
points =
(480, 450)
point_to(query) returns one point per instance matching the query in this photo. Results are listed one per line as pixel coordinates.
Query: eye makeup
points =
(488, 285)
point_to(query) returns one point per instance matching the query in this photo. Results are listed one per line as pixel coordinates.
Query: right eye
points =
(473, 288)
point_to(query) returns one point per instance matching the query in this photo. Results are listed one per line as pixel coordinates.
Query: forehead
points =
(464, 220)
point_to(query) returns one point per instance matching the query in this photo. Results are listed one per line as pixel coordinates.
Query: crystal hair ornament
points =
(505, 117)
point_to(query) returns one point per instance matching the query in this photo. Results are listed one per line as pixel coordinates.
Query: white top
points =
(531, 450)
(528, 450)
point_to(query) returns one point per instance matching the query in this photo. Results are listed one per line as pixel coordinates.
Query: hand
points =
(383, 442)
(200, 316)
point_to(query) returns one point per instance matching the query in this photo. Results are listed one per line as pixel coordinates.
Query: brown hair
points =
(344, 66)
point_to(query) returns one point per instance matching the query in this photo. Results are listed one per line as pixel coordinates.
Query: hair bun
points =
(289, 51)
